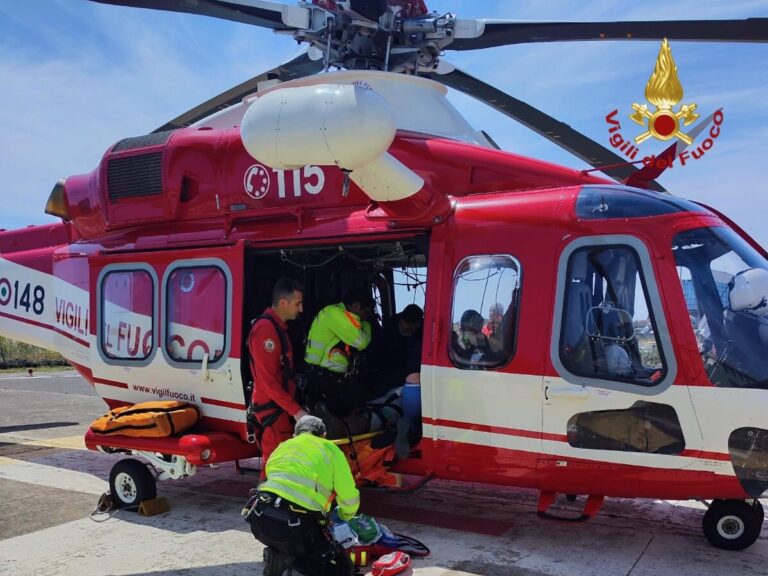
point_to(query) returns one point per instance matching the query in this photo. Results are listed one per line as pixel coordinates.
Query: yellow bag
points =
(148, 419)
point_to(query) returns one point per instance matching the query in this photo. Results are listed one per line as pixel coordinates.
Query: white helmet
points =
(749, 291)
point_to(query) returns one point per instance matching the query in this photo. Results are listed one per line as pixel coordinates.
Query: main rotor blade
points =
(263, 13)
(297, 67)
(553, 130)
(472, 35)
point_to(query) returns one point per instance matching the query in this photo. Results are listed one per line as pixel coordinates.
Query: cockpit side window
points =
(725, 284)
(608, 330)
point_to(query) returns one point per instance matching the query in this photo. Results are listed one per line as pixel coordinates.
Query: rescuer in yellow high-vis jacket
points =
(309, 471)
(338, 333)
(287, 514)
(337, 329)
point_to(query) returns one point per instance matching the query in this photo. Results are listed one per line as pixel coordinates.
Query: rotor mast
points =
(386, 38)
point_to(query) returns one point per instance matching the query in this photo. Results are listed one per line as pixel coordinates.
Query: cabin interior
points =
(394, 271)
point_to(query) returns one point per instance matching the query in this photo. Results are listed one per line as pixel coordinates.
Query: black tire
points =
(759, 511)
(275, 562)
(130, 483)
(732, 524)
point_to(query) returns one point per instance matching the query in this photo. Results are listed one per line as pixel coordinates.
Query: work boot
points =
(339, 565)
(275, 562)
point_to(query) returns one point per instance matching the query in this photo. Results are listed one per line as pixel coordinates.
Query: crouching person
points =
(288, 512)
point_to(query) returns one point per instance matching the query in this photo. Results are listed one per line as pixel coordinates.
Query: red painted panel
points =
(34, 238)
(38, 259)
(84, 371)
(223, 447)
(462, 461)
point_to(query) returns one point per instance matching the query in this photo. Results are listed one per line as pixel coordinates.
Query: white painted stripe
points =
(516, 402)
(555, 448)
(51, 476)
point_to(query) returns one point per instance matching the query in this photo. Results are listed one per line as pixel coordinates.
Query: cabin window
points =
(608, 202)
(608, 327)
(196, 313)
(485, 299)
(643, 427)
(127, 314)
(725, 285)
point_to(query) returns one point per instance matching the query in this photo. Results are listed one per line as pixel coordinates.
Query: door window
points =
(483, 325)
(196, 313)
(608, 327)
(126, 314)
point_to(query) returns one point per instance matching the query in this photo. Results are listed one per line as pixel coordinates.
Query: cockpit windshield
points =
(725, 283)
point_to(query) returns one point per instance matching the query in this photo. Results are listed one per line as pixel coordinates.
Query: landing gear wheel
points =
(732, 524)
(131, 482)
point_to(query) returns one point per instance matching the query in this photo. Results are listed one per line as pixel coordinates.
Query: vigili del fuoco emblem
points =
(664, 91)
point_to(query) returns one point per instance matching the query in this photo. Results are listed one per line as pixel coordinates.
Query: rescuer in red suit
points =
(273, 401)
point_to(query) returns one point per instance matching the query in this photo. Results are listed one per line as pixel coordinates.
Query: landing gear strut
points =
(733, 524)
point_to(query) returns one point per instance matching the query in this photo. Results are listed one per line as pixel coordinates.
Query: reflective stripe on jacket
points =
(308, 471)
(334, 327)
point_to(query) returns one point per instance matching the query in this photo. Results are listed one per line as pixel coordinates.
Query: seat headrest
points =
(579, 266)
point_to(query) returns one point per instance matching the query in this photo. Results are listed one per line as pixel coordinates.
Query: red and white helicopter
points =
(633, 357)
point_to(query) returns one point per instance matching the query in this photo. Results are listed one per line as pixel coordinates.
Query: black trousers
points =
(340, 393)
(300, 534)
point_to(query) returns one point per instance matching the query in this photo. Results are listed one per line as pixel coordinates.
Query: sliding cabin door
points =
(481, 384)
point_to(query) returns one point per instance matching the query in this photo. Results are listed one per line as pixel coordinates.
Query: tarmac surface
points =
(49, 486)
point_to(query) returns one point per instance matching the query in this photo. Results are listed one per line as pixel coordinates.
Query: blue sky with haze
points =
(78, 76)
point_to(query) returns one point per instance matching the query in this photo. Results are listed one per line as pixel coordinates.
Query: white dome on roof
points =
(419, 104)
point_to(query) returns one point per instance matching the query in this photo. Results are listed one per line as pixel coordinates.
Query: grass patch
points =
(23, 370)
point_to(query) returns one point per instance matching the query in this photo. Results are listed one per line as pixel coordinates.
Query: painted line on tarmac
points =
(51, 476)
(65, 442)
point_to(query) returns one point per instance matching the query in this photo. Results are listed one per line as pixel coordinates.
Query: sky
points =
(78, 76)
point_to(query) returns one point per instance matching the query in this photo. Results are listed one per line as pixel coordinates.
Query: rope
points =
(105, 508)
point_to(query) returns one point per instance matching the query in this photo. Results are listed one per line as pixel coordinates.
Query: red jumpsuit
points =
(268, 383)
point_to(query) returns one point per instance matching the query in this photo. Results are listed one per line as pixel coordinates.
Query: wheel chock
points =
(592, 506)
(153, 507)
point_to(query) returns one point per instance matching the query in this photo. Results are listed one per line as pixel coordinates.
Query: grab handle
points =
(568, 391)
(204, 368)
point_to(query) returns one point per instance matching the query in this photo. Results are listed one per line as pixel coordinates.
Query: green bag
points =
(366, 528)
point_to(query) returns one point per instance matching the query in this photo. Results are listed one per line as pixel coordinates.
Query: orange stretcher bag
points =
(148, 419)
(369, 465)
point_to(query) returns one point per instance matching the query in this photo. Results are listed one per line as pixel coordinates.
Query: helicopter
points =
(644, 379)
